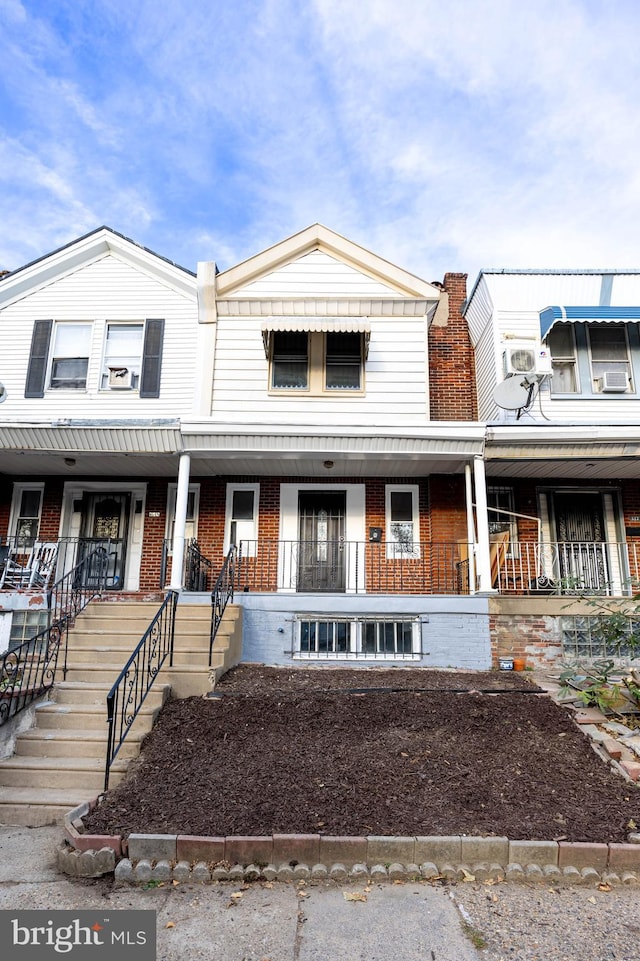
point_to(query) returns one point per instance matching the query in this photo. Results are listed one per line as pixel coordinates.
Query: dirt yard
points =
(352, 752)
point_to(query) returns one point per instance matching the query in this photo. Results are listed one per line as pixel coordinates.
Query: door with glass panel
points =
(103, 539)
(321, 544)
(582, 548)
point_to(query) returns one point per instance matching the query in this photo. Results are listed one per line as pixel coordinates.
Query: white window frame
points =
(190, 532)
(16, 503)
(618, 365)
(395, 549)
(128, 364)
(355, 630)
(316, 368)
(249, 538)
(568, 361)
(58, 325)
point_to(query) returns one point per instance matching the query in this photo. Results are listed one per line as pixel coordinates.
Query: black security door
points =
(321, 547)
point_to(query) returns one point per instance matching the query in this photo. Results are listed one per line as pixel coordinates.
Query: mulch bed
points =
(382, 752)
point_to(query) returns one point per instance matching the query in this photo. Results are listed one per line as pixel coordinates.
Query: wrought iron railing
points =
(221, 595)
(567, 568)
(353, 566)
(16, 554)
(136, 678)
(198, 569)
(28, 671)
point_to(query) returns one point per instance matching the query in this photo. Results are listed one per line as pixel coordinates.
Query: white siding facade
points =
(108, 289)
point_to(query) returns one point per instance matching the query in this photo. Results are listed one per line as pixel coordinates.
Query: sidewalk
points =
(281, 922)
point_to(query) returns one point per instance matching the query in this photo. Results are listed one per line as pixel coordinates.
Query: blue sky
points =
(442, 136)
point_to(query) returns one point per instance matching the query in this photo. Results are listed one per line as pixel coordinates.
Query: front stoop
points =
(60, 762)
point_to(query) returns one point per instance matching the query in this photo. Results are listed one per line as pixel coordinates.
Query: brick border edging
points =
(286, 857)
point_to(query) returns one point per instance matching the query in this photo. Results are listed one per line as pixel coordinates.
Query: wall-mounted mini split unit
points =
(526, 357)
(120, 378)
(615, 382)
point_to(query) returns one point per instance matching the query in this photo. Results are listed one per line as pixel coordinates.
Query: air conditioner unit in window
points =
(120, 378)
(615, 381)
(526, 358)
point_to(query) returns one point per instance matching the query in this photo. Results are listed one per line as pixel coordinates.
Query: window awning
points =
(339, 325)
(590, 315)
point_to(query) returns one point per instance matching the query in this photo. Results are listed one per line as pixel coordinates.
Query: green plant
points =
(592, 684)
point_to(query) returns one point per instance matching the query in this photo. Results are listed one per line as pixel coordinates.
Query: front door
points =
(321, 544)
(581, 535)
(105, 520)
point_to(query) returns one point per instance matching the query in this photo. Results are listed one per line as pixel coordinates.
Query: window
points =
(25, 625)
(70, 356)
(609, 357)
(290, 363)
(343, 361)
(60, 353)
(564, 379)
(122, 355)
(241, 527)
(500, 518)
(193, 501)
(317, 362)
(26, 510)
(387, 638)
(403, 527)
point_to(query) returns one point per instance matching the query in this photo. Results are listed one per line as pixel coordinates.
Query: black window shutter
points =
(152, 358)
(37, 369)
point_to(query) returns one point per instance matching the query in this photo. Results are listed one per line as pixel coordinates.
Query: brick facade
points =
(452, 371)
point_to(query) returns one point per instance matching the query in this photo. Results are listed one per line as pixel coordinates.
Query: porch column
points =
(471, 529)
(179, 527)
(483, 556)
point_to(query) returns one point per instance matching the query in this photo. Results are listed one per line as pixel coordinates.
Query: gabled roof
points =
(318, 237)
(83, 251)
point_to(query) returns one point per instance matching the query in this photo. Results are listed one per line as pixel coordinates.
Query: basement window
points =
(357, 638)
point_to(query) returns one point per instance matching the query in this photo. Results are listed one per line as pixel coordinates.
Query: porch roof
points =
(358, 451)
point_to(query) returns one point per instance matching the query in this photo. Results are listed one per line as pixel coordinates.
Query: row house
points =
(313, 413)
(558, 383)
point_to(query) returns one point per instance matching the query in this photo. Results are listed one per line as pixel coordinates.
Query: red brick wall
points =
(452, 372)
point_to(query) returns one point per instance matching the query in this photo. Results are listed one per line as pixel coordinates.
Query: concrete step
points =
(87, 717)
(70, 773)
(73, 743)
(35, 807)
(85, 692)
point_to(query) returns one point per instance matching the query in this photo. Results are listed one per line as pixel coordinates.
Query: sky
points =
(442, 136)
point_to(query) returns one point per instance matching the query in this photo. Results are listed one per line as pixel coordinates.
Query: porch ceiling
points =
(583, 468)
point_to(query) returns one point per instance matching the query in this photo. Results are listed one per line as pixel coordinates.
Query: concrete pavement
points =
(277, 922)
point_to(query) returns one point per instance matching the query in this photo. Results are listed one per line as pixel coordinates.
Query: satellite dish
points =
(3, 393)
(513, 393)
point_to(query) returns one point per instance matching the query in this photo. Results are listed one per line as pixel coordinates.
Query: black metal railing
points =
(197, 571)
(28, 671)
(221, 595)
(136, 678)
(197, 568)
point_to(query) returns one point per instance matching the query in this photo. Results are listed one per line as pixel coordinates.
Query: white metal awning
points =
(340, 325)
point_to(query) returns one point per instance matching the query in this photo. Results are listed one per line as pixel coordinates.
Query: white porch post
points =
(471, 529)
(179, 527)
(483, 557)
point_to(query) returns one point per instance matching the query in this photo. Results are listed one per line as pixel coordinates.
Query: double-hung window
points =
(122, 356)
(26, 512)
(402, 517)
(290, 360)
(609, 351)
(242, 518)
(70, 356)
(562, 346)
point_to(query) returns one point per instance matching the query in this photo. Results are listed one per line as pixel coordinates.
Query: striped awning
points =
(340, 325)
(551, 316)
